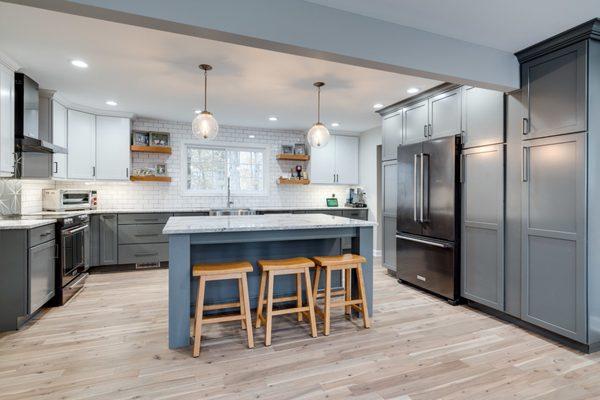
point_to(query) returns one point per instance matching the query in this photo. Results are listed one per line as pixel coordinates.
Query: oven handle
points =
(82, 277)
(72, 231)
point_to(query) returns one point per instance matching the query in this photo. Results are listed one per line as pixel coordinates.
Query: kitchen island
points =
(252, 237)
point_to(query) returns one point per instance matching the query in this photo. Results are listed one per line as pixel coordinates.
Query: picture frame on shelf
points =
(161, 169)
(161, 139)
(287, 149)
(140, 138)
(300, 148)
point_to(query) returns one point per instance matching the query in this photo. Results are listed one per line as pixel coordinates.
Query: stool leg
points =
(246, 302)
(299, 294)
(315, 290)
(363, 296)
(327, 301)
(261, 298)
(241, 296)
(198, 319)
(311, 304)
(348, 290)
(269, 323)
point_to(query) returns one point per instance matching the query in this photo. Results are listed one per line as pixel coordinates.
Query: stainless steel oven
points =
(73, 233)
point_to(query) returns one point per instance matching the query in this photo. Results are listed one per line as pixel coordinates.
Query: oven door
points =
(73, 254)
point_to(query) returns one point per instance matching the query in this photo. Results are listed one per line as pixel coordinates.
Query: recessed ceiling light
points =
(335, 124)
(111, 103)
(412, 90)
(377, 105)
(79, 64)
(273, 119)
(251, 136)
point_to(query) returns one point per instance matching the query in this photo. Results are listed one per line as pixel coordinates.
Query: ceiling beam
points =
(306, 29)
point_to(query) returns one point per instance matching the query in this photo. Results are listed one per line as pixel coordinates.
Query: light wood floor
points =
(110, 342)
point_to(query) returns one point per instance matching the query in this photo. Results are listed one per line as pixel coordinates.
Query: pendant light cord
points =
(318, 105)
(205, 89)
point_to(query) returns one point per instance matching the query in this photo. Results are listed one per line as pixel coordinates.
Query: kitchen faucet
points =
(229, 201)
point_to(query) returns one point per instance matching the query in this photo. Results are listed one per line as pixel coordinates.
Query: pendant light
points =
(204, 125)
(318, 135)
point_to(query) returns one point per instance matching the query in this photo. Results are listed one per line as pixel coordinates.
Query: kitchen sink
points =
(232, 211)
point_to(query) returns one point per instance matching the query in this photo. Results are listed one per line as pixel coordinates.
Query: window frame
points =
(264, 149)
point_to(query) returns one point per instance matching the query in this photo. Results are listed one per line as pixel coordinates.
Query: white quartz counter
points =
(248, 223)
(24, 223)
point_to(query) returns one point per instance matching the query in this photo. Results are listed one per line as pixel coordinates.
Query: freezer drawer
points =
(431, 265)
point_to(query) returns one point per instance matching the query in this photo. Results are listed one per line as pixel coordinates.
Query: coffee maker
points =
(356, 198)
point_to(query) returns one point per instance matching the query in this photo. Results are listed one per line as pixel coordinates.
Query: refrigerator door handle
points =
(422, 241)
(416, 156)
(424, 215)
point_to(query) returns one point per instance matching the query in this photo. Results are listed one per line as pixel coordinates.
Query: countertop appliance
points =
(356, 198)
(27, 110)
(68, 199)
(428, 221)
(72, 264)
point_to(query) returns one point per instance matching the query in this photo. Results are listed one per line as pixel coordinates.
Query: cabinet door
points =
(445, 114)
(415, 123)
(389, 243)
(112, 148)
(483, 117)
(555, 92)
(81, 136)
(7, 127)
(346, 160)
(59, 138)
(482, 243)
(389, 189)
(554, 234)
(322, 163)
(392, 135)
(41, 275)
(108, 239)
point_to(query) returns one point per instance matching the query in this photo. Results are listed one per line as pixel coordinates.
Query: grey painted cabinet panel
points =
(554, 234)
(416, 118)
(389, 243)
(108, 239)
(392, 135)
(143, 233)
(41, 275)
(389, 188)
(445, 114)
(483, 117)
(555, 92)
(482, 244)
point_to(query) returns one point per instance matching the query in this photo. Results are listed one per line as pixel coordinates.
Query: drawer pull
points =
(146, 219)
(145, 254)
(45, 234)
(146, 234)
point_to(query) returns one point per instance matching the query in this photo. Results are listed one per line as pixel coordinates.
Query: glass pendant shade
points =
(205, 126)
(318, 135)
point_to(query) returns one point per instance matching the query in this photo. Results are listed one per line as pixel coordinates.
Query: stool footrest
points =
(343, 303)
(213, 319)
(321, 293)
(221, 306)
(290, 310)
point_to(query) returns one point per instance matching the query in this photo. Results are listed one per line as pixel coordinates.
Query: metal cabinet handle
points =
(425, 130)
(55, 167)
(525, 168)
(127, 172)
(146, 234)
(429, 129)
(145, 254)
(145, 219)
(525, 127)
(94, 171)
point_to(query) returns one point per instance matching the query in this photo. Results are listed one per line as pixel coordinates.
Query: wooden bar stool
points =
(289, 266)
(215, 272)
(346, 263)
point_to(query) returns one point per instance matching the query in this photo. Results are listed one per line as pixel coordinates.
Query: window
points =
(207, 168)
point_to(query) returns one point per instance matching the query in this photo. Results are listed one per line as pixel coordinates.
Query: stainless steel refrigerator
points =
(427, 230)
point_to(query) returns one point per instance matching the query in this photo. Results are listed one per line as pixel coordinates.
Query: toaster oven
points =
(68, 199)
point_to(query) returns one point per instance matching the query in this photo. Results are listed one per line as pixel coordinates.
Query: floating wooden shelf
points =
(288, 181)
(151, 149)
(150, 178)
(293, 157)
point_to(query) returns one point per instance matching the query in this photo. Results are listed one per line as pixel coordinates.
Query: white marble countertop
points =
(249, 223)
(24, 223)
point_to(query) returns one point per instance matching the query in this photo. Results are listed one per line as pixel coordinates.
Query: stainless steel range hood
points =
(33, 145)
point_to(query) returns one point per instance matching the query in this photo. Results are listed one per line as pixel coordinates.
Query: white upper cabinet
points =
(483, 117)
(59, 138)
(336, 163)
(7, 127)
(416, 122)
(81, 134)
(392, 135)
(346, 160)
(112, 148)
(445, 114)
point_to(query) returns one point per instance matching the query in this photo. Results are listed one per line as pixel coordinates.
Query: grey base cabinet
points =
(108, 239)
(482, 226)
(389, 189)
(554, 234)
(41, 275)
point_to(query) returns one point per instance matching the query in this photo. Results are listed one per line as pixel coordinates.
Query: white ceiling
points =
(508, 25)
(155, 74)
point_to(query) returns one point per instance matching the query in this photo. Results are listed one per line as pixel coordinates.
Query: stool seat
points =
(285, 263)
(207, 269)
(344, 259)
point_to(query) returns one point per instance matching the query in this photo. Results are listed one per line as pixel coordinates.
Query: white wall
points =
(147, 195)
(368, 172)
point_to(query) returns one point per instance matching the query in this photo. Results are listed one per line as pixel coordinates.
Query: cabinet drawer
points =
(143, 253)
(41, 275)
(145, 218)
(41, 234)
(145, 233)
(355, 214)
